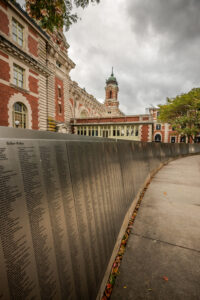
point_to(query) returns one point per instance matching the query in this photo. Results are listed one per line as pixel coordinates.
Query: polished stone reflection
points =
(62, 204)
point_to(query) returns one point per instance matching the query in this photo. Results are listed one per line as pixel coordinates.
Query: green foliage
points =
(183, 113)
(54, 14)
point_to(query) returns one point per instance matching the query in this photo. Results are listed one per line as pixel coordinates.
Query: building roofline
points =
(114, 117)
(23, 13)
(111, 123)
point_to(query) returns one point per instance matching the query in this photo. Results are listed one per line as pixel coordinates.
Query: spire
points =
(112, 79)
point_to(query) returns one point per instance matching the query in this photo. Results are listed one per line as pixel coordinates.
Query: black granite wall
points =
(62, 203)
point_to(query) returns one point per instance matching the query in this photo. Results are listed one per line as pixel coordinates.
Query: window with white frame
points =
(18, 76)
(17, 32)
(158, 126)
(19, 115)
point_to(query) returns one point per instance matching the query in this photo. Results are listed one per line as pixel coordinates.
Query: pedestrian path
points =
(162, 259)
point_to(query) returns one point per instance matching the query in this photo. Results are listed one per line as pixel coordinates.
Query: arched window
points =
(158, 138)
(84, 114)
(110, 94)
(182, 139)
(19, 115)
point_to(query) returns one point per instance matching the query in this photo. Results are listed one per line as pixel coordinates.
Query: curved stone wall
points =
(65, 202)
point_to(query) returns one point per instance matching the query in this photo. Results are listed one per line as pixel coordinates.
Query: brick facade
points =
(59, 100)
(5, 70)
(33, 46)
(8, 93)
(124, 127)
(4, 22)
(33, 84)
(43, 60)
(30, 71)
(166, 134)
(144, 133)
(5, 94)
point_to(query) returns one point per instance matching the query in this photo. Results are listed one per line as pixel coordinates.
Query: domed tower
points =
(111, 101)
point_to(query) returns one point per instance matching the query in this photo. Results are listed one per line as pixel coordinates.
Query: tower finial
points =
(112, 72)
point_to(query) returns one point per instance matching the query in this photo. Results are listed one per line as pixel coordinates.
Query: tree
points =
(183, 113)
(54, 14)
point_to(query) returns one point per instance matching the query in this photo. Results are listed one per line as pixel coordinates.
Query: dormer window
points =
(17, 32)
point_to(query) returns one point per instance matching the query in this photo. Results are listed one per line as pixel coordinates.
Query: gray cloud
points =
(178, 19)
(153, 45)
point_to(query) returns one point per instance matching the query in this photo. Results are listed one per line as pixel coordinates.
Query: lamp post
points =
(17, 123)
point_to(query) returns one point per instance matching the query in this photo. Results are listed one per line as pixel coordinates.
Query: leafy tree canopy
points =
(183, 113)
(54, 14)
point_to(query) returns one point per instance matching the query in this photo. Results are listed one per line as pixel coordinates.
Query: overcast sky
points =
(153, 45)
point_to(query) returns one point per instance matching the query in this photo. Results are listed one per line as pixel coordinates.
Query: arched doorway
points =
(19, 115)
(158, 138)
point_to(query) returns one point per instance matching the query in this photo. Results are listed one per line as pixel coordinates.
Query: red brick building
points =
(137, 128)
(36, 91)
(34, 77)
(114, 124)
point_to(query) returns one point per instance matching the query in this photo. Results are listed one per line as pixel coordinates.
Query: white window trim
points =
(13, 62)
(11, 15)
(20, 28)
(19, 98)
(19, 72)
(160, 126)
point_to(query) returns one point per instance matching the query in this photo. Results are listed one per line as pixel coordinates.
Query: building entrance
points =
(158, 138)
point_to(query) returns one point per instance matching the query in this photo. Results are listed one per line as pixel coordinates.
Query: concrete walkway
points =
(162, 259)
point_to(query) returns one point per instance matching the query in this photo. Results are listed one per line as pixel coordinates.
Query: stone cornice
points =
(10, 48)
(54, 51)
(109, 123)
(121, 112)
(126, 117)
(75, 90)
(69, 63)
